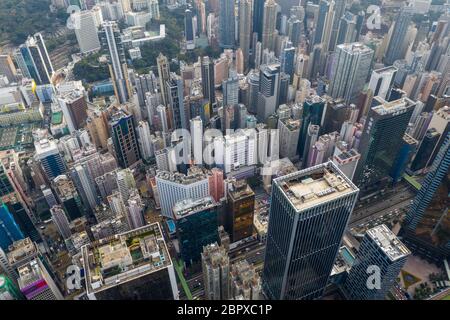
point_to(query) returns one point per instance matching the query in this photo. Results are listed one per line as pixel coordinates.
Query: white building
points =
(86, 31)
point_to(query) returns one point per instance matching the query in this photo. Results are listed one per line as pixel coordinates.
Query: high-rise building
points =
(349, 27)
(196, 223)
(427, 224)
(382, 81)
(124, 139)
(216, 272)
(258, 16)
(118, 269)
(163, 75)
(125, 183)
(74, 107)
(135, 210)
(208, 87)
(48, 155)
(86, 32)
(226, 24)
(34, 60)
(350, 70)
(289, 134)
(309, 212)
(189, 33)
(381, 141)
(7, 68)
(241, 204)
(245, 29)
(175, 187)
(313, 109)
(112, 40)
(245, 283)
(68, 196)
(144, 138)
(197, 140)
(381, 249)
(174, 89)
(9, 229)
(8, 290)
(269, 24)
(230, 88)
(395, 49)
(269, 83)
(59, 218)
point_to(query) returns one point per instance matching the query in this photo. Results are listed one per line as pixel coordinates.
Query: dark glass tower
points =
(381, 141)
(258, 15)
(309, 213)
(124, 139)
(312, 114)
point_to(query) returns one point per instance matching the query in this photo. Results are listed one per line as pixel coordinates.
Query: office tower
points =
(196, 224)
(207, 70)
(8, 290)
(226, 24)
(145, 271)
(287, 59)
(239, 216)
(161, 112)
(289, 134)
(36, 283)
(124, 139)
(135, 209)
(111, 39)
(163, 75)
(176, 186)
(47, 154)
(349, 27)
(245, 29)
(441, 122)
(309, 212)
(381, 141)
(174, 89)
(216, 184)
(269, 82)
(253, 89)
(68, 196)
(245, 282)
(350, 70)
(230, 88)
(427, 224)
(196, 126)
(313, 109)
(381, 81)
(144, 138)
(59, 218)
(269, 23)
(216, 272)
(9, 229)
(425, 150)
(395, 49)
(405, 154)
(189, 30)
(336, 113)
(382, 249)
(34, 61)
(86, 33)
(257, 19)
(7, 68)
(74, 108)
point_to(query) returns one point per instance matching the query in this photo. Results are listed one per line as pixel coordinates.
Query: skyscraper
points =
(112, 40)
(230, 88)
(395, 50)
(196, 223)
(34, 60)
(48, 155)
(309, 212)
(245, 29)
(241, 204)
(124, 139)
(226, 24)
(87, 33)
(382, 81)
(74, 107)
(258, 16)
(216, 272)
(59, 218)
(189, 29)
(381, 141)
(313, 109)
(269, 83)
(174, 89)
(163, 75)
(382, 249)
(269, 23)
(197, 140)
(9, 230)
(350, 70)
(207, 68)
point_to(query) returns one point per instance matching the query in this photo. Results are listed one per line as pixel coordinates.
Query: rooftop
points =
(180, 177)
(189, 206)
(240, 189)
(316, 185)
(124, 257)
(388, 242)
(392, 107)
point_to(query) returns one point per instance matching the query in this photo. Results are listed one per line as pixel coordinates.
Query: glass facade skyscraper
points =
(309, 213)
(9, 229)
